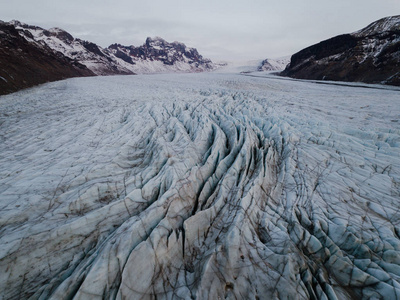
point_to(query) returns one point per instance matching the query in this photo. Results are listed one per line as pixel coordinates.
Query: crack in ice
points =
(199, 186)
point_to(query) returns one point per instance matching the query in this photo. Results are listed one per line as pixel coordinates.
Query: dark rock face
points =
(115, 48)
(371, 55)
(25, 64)
(91, 47)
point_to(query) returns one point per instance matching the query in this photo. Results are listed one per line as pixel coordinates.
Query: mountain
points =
(25, 62)
(370, 55)
(33, 55)
(157, 55)
(94, 57)
(278, 64)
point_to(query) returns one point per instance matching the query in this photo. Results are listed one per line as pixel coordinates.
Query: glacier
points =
(200, 186)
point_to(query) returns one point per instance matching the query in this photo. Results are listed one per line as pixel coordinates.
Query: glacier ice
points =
(201, 186)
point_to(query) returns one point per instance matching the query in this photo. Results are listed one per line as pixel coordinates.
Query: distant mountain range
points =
(32, 55)
(370, 55)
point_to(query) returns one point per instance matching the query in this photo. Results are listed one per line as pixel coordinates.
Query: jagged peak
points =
(118, 45)
(20, 25)
(182, 45)
(59, 33)
(155, 39)
(158, 41)
(17, 23)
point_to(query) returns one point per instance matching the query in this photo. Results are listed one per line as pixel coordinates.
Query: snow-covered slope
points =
(381, 26)
(155, 56)
(369, 55)
(277, 64)
(199, 186)
(89, 54)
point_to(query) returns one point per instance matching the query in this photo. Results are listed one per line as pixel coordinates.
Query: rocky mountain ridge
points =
(157, 55)
(370, 55)
(94, 57)
(25, 63)
(84, 58)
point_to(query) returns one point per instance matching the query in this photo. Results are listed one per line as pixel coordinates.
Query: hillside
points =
(370, 55)
(25, 64)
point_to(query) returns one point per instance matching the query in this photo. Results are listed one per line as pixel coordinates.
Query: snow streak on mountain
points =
(155, 56)
(370, 55)
(278, 64)
(199, 186)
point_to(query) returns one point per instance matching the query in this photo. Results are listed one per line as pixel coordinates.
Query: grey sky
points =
(219, 29)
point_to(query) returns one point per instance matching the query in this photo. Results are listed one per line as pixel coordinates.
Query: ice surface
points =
(199, 186)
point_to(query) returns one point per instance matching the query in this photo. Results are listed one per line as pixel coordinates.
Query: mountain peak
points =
(155, 41)
(163, 56)
(16, 23)
(59, 33)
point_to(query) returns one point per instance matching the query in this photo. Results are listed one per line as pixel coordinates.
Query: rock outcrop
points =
(370, 55)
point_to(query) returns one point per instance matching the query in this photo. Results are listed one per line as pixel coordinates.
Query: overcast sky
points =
(219, 29)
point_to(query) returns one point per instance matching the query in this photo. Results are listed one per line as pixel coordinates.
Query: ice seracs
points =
(199, 186)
